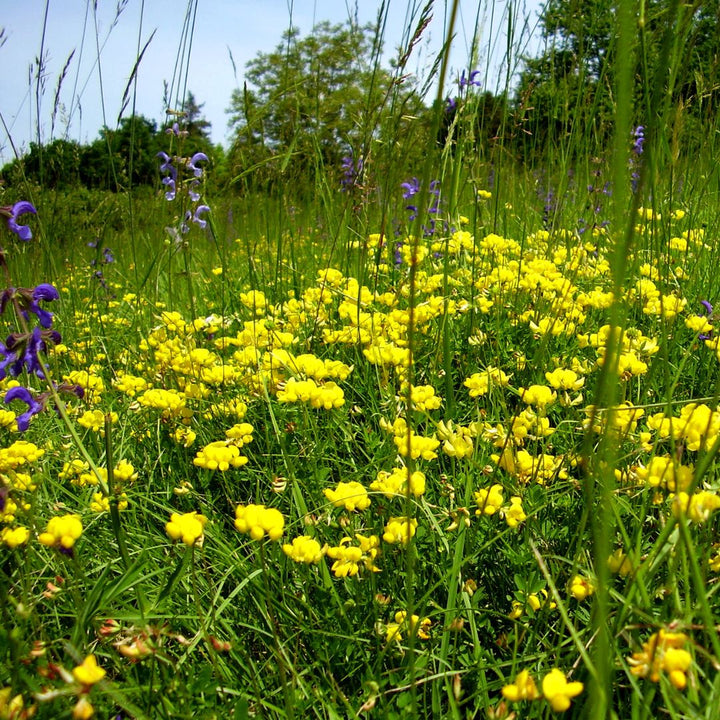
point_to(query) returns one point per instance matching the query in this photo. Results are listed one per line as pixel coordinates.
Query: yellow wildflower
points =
(258, 521)
(663, 652)
(350, 495)
(304, 549)
(400, 530)
(524, 688)
(12, 537)
(62, 531)
(188, 527)
(558, 691)
(89, 672)
(220, 455)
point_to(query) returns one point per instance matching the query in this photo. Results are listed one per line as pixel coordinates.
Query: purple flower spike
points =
(196, 158)
(34, 407)
(18, 209)
(707, 306)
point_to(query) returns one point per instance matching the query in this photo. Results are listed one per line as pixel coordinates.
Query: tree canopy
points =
(310, 102)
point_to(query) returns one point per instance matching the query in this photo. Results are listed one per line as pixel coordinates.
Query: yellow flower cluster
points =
(62, 531)
(350, 495)
(399, 481)
(304, 549)
(328, 395)
(663, 652)
(555, 689)
(400, 530)
(581, 587)
(220, 455)
(18, 454)
(414, 625)
(348, 558)
(259, 521)
(188, 527)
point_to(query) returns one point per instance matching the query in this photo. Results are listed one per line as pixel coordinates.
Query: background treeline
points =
(322, 106)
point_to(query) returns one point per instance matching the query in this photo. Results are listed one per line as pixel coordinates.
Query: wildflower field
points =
(439, 445)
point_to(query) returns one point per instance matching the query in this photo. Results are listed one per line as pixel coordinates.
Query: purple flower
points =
(450, 104)
(472, 81)
(706, 304)
(196, 158)
(194, 195)
(639, 135)
(170, 178)
(18, 209)
(34, 407)
(411, 188)
(45, 292)
(351, 171)
(201, 210)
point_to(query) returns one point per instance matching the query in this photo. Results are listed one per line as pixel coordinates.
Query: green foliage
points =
(568, 93)
(309, 103)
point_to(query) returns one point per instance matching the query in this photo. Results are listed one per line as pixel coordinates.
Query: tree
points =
(55, 165)
(309, 102)
(570, 86)
(133, 146)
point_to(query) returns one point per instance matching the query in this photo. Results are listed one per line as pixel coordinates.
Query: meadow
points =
(432, 445)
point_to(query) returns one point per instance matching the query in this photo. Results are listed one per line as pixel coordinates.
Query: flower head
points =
(89, 672)
(258, 521)
(558, 691)
(192, 164)
(62, 532)
(34, 407)
(12, 213)
(524, 688)
(187, 527)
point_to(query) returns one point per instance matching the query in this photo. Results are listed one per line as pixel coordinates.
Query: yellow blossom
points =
(88, 673)
(489, 500)
(663, 652)
(399, 530)
(12, 537)
(220, 455)
(581, 587)
(558, 691)
(350, 495)
(304, 549)
(396, 482)
(258, 521)
(62, 531)
(538, 395)
(188, 527)
(514, 513)
(524, 688)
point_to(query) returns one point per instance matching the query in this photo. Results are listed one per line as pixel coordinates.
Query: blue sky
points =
(222, 27)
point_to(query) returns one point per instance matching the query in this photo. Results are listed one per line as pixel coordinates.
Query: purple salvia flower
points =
(201, 210)
(196, 158)
(34, 407)
(639, 135)
(192, 193)
(411, 188)
(45, 292)
(170, 178)
(18, 209)
(709, 308)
